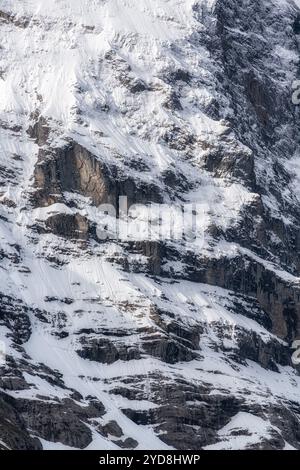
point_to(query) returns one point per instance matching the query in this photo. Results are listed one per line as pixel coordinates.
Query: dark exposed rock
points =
(175, 180)
(166, 349)
(13, 431)
(13, 314)
(137, 86)
(172, 102)
(179, 75)
(287, 422)
(8, 17)
(189, 337)
(105, 351)
(62, 422)
(111, 428)
(296, 25)
(267, 354)
(68, 225)
(278, 297)
(8, 203)
(13, 383)
(40, 131)
(75, 169)
(65, 300)
(152, 250)
(177, 138)
(187, 418)
(128, 443)
(236, 165)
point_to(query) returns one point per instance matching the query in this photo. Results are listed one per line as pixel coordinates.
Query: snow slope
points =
(155, 344)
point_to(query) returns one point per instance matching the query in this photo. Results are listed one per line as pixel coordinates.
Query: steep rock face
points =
(134, 342)
(257, 72)
(13, 428)
(279, 297)
(74, 169)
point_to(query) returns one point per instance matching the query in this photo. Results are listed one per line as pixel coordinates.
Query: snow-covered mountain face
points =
(149, 344)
